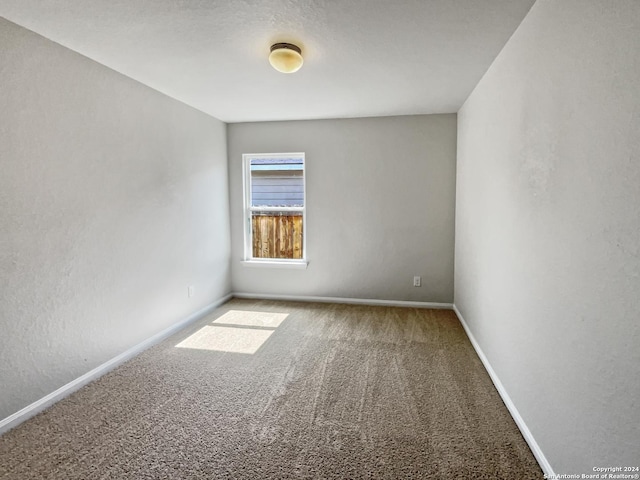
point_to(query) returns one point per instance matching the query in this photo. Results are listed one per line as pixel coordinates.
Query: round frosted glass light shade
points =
(285, 59)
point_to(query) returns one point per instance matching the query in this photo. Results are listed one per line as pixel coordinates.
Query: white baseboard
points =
(39, 405)
(526, 433)
(355, 301)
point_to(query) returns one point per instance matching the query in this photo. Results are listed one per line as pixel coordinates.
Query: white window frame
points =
(248, 259)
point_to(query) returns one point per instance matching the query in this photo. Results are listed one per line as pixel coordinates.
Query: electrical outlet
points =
(417, 281)
(190, 291)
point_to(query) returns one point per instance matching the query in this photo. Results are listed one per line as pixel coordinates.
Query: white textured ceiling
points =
(362, 57)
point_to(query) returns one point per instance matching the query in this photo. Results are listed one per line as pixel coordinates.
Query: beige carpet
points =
(276, 390)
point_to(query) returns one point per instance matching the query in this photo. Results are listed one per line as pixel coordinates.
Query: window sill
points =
(295, 264)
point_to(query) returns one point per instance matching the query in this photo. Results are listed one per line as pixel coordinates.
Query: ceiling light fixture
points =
(286, 57)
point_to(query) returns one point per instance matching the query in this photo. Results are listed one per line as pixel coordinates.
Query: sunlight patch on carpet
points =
(227, 339)
(252, 319)
(232, 332)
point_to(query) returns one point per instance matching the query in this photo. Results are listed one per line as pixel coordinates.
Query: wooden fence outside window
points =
(277, 235)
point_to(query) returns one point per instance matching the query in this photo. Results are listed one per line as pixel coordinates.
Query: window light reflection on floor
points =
(237, 331)
(253, 319)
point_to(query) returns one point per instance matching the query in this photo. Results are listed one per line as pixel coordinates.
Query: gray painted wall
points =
(548, 227)
(380, 206)
(113, 199)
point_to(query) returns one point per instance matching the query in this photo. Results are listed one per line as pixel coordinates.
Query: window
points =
(274, 209)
